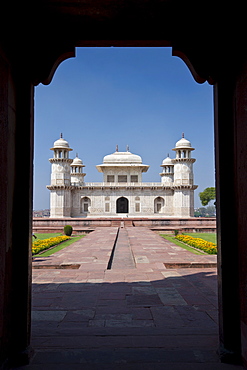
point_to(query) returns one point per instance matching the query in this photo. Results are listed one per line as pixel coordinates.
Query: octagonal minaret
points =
(60, 171)
(183, 179)
(77, 175)
(60, 197)
(168, 171)
(183, 163)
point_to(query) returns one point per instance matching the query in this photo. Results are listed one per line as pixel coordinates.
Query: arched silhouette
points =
(158, 204)
(122, 205)
(85, 204)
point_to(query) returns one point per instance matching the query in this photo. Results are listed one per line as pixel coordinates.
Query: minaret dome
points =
(61, 148)
(77, 175)
(183, 148)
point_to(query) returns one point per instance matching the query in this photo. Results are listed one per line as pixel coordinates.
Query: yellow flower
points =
(40, 245)
(199, 243)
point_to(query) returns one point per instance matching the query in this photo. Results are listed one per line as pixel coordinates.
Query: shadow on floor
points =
(169, 323)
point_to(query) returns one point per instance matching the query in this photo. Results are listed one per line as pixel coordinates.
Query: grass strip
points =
(180, 244)
(42, 236)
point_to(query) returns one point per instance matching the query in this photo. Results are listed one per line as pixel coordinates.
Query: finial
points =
(76, 155)
(116, 148)
(61, 135)
(168, 155)
(183, 135)
(127, 148)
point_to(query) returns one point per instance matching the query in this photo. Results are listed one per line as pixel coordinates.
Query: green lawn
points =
(209, 237)
(58, 247)
(42, 236)
(180, 244)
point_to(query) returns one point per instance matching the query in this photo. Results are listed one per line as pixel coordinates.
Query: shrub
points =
(68, 230)
(176, 232)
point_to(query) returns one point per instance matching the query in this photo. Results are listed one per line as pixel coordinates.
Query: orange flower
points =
(199, 243)
(40, 245)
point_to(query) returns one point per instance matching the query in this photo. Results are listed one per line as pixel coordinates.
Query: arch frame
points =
(85, 204)
(28, 59)
(122, 205)
(159, 203)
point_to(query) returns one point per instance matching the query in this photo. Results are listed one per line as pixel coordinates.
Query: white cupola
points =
(77, 175)
(183, 163)
(61, 148)
(168, 170)
(183, 148)
(60, 171)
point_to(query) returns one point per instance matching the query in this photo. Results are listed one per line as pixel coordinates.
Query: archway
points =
(158, 204)
(85, 204)
(207, 61)
(122, 205)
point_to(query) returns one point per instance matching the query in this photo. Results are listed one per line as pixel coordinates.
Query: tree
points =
(207, 195)
(205, 211)
(210, 211)
(200, 212)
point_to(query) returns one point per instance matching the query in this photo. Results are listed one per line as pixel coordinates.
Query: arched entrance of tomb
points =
(85, 204)
(122, 205)
(158, 204)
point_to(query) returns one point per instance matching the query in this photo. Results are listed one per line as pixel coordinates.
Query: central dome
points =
(122, 157)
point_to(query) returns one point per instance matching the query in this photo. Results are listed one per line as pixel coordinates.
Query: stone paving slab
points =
(123, 365)
(142, 316)
(91, 252)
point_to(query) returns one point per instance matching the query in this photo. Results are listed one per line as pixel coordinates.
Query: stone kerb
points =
(160, 224)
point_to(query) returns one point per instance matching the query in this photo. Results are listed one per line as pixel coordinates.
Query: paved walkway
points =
(132, 313)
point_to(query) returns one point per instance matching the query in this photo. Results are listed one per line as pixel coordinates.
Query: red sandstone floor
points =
(137, 315)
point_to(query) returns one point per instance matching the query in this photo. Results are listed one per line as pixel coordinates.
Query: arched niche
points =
(122, 205)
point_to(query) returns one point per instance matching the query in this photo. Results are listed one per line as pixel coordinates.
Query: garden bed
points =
(44, 244)
(198, 243)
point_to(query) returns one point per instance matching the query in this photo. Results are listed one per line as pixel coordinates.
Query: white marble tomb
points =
(122, 192)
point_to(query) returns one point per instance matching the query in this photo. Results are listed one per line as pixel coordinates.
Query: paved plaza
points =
(125, 299)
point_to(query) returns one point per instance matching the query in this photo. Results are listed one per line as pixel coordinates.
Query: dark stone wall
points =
(16, 158)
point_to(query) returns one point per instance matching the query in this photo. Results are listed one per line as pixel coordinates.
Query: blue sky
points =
(141, 97)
